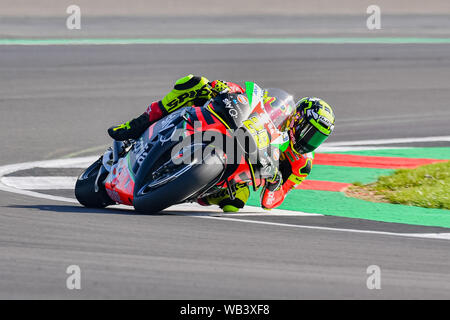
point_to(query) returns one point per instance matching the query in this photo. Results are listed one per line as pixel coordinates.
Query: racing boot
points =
(130, 130)
(189, 90)
(223, 200)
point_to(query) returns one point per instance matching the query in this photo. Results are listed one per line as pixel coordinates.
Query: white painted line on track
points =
(83, 162)
(35, 194)
(40, 183)
(384, 141)
(442, 236)
(215, 214)
(346, 149)
(26, 185)
(186, 209)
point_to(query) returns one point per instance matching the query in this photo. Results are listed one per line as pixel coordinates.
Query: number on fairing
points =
(258, 132)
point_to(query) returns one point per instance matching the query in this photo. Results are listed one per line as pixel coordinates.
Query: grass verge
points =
(426, 186)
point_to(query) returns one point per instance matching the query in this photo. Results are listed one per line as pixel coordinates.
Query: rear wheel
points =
(171, 184)
(85, 187)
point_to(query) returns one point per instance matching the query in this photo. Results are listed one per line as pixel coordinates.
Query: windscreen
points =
(279, 105)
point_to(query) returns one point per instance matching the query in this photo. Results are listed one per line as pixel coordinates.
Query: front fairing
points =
(270, 141)
(247, 114)
(157, 139)
(268, 117)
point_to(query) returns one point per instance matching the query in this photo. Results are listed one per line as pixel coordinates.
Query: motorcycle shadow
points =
(74, 209)
(109, 210)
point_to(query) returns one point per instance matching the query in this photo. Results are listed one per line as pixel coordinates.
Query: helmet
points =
(310, 124)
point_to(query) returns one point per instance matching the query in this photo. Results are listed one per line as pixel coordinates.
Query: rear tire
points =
(85, 188)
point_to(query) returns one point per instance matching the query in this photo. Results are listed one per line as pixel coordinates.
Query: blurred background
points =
(57, 101)
(176, 18)
(92, 87)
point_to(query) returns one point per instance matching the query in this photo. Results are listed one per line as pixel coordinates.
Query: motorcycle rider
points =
(309, 122)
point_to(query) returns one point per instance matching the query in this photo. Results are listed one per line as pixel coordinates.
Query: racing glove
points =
(130, 130)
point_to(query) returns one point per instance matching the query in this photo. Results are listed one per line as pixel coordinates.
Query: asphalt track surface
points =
(57, 101)
(238, 25)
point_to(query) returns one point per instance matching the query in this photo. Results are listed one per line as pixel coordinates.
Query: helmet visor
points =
(307, 138)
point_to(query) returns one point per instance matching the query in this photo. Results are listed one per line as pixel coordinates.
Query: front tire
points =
(181, 188)
(85, 187)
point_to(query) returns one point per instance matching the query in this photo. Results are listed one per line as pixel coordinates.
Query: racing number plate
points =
(258, 132)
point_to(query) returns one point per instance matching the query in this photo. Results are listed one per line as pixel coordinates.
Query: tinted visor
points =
(307, 138)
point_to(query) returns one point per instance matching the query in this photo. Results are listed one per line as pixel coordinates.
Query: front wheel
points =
(179, 183)
(85, 190)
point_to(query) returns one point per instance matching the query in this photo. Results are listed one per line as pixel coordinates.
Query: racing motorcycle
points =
(175, 162)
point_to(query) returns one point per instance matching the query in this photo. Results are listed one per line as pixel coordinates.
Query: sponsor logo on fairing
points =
(242, 99)
(229, 106)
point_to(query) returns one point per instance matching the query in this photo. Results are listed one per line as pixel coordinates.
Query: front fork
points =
(116, 149)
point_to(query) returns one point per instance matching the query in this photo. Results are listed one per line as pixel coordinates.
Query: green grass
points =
(426, 186)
